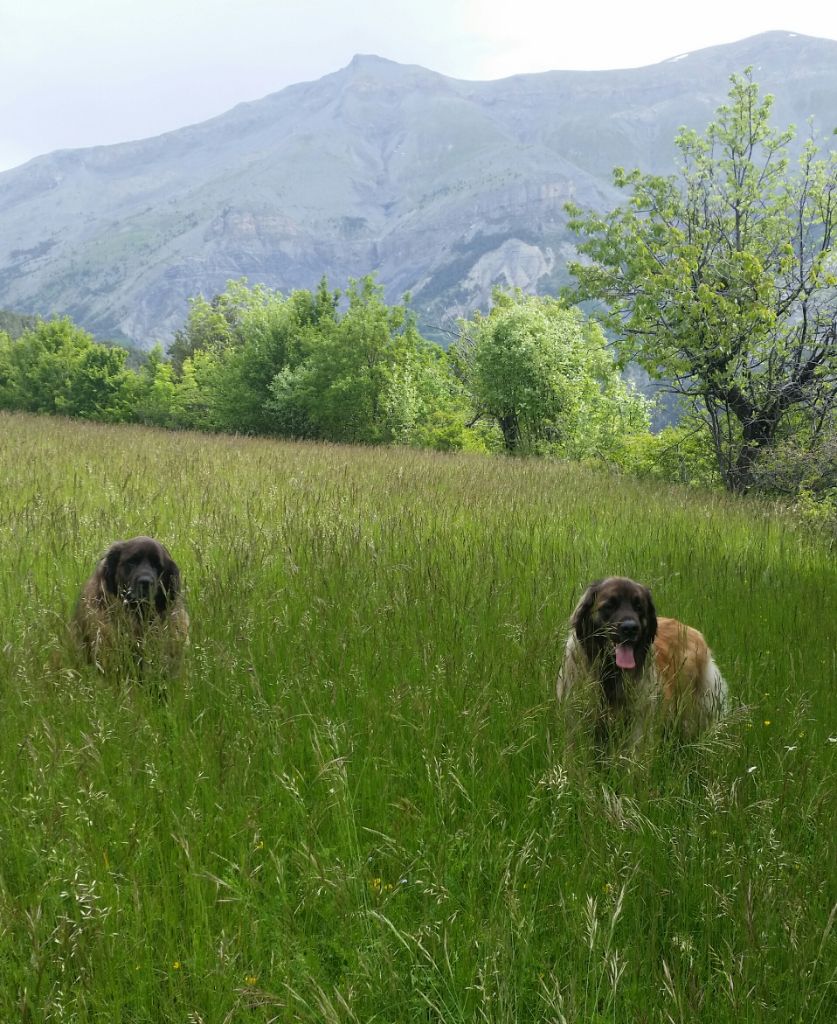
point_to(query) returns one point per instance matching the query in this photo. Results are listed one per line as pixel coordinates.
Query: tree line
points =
(532, 376)
(720, 280)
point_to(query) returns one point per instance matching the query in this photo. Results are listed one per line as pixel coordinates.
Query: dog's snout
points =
(628, 629)
(144, 584)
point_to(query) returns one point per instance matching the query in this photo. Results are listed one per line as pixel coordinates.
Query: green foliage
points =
(802, 468)
(544, 374)
(233, 347)
(680, 454)
(213, 325)
(55, 367)
(157, 393)
(368, 376)
(8, 372)
(257, 362)
(723, 279)
(359, 802)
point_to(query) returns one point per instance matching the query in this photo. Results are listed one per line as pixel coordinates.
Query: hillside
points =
(443, 187)
(14, 324)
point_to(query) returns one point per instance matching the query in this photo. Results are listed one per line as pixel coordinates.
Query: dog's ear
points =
(169, 587)
(651, 616)
(109, 564)
(581, 619)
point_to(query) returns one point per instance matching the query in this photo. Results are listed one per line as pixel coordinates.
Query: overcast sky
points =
(86, 72)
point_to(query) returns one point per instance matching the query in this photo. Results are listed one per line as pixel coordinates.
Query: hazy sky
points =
(86, 72)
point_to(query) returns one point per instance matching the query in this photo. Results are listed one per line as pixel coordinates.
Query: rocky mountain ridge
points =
(442, 187)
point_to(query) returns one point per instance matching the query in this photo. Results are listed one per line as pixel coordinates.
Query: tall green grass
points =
(359, 802)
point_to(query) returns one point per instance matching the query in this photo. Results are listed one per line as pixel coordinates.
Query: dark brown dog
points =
(132, 607)
(638, 661)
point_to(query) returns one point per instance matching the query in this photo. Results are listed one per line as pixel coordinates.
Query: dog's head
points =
(615, 623)
(141, 573)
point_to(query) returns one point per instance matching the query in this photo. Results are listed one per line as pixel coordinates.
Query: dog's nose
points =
(143, 585)
(628, 629)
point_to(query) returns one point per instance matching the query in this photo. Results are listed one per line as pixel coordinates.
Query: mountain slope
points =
(443, 187)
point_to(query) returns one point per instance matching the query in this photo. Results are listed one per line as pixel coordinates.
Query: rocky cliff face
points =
(444, 188)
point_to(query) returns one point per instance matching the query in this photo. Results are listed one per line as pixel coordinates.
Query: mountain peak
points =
(371, 66)
(370, 60)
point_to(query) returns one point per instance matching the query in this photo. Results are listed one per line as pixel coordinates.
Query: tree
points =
(544, 374)
(368, 376)
(721, 279)
(8, 382)
(275, 333)
(211, 325)
(155, 391)
(231, 348)
(56, 367)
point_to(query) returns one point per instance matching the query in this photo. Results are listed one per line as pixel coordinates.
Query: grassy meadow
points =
(359, 802)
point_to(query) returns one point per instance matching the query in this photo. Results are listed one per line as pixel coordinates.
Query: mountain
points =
(14, 324)
(442, 187)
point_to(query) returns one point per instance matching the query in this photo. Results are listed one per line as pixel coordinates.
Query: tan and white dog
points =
(637, 664)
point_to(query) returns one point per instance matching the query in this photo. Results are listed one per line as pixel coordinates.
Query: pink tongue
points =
(625, 656)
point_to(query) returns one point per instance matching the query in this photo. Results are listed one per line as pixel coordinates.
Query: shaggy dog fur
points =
(131, 608)
(638, 663)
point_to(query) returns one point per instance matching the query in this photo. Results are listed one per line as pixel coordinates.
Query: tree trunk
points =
(510, 427)
(757, 434)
